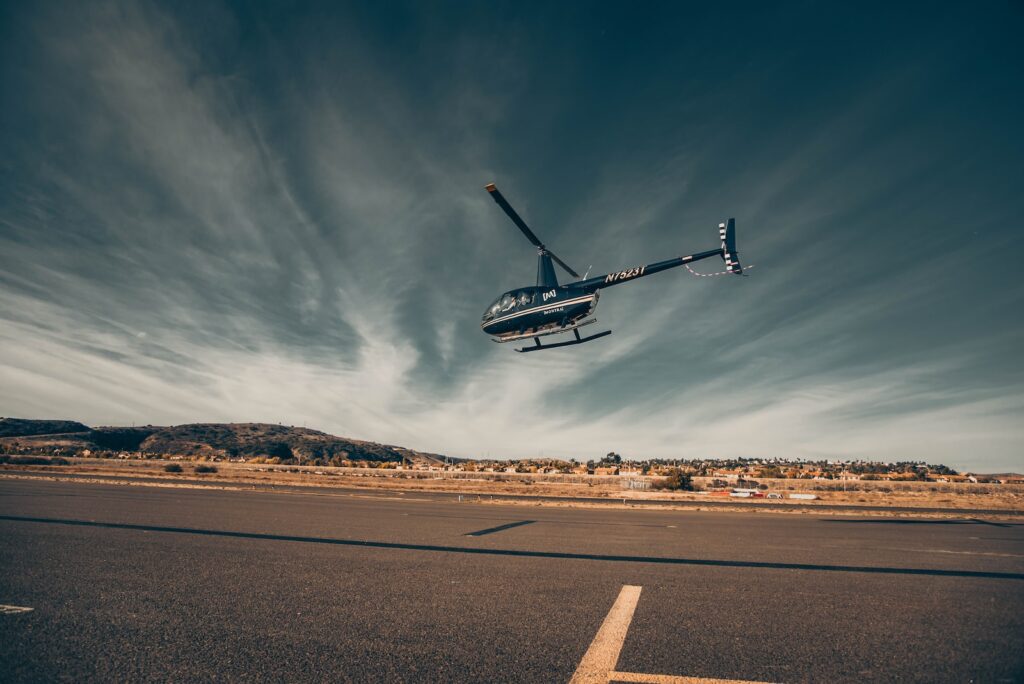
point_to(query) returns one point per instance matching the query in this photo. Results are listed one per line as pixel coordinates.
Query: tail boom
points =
(727, 252)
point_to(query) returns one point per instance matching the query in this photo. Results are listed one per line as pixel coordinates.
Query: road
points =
(144, 583)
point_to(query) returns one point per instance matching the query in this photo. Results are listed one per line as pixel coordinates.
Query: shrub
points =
(172, 468)
(206, 469)
(676, 480)
(280, 450)
(33, 460)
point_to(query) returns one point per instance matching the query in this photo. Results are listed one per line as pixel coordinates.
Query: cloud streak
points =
(237, 217)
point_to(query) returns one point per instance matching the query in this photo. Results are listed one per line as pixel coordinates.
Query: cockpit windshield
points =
(507, 302)
(493, 309)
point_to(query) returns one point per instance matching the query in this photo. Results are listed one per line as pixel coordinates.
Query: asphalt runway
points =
(144, 583)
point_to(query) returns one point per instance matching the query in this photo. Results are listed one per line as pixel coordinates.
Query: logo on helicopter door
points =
(550, 294)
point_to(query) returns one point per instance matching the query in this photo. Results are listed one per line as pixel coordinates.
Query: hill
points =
(25, 427)
(210, 440)
(122, 438)
(264, 439)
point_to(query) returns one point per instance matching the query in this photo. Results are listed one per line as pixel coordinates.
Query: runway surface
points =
(144, 583)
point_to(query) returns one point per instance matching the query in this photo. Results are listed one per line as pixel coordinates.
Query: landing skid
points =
(579, 340)
(552, 330)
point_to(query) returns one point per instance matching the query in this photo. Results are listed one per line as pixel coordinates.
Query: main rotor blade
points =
(503, 203)
(561, 263)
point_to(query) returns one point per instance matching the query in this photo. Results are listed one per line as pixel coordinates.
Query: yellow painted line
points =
(600, 659)
(959, 553)
(217, 486)
(376, 497)
(645, 678)
(598, 664)
(14, 610)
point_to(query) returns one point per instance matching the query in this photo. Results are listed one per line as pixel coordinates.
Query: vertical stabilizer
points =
(727, 233)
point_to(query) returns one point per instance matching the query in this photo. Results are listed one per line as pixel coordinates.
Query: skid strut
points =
(537, 346)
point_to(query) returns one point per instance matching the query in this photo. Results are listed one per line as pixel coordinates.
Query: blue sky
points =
(275, 212)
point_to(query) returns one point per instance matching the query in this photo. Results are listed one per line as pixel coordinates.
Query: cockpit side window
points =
(507, 302)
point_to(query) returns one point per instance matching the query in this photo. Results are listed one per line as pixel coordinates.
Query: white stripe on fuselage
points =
(536, 309)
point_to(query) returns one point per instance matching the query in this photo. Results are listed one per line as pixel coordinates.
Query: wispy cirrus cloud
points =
(238, 217)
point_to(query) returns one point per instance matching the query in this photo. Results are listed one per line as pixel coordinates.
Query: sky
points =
(275, 212)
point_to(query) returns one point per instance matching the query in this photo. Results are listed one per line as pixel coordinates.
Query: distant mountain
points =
(25, 427)
(224, 440)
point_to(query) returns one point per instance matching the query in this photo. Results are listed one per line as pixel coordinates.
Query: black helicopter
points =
(549, 308)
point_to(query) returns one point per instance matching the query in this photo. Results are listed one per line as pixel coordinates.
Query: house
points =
(606, 470)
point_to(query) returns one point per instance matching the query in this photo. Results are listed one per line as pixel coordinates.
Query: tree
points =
(677, 480)
(281, 450)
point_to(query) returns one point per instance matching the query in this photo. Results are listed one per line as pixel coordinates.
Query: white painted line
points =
(645, 678)
(600, 659)
(13, 610)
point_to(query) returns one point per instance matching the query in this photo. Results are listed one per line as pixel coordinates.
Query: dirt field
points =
(1009, 498)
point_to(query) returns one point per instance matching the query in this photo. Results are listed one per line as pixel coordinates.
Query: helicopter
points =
(548, 308)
